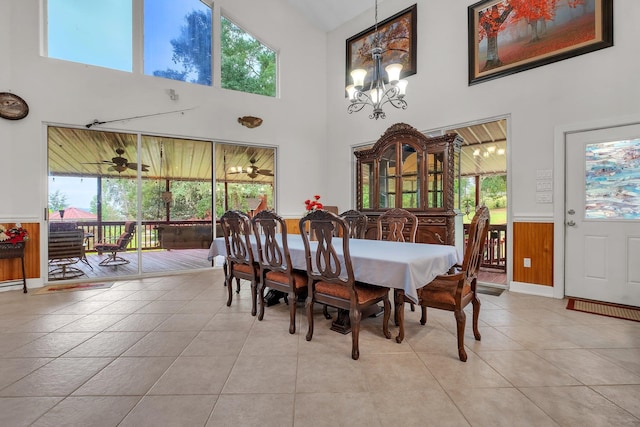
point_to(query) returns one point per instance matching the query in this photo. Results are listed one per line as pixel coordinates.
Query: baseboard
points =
(531, 289)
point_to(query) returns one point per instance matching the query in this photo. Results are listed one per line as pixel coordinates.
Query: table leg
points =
(24, 277)
(342, 323)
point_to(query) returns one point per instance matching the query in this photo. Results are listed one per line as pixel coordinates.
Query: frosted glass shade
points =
(393, 71)
(358, 76)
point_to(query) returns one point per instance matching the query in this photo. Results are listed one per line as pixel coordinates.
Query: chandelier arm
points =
(378, 94)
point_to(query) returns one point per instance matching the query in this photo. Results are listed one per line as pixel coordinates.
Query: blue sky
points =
(79, 191)
(100, 32)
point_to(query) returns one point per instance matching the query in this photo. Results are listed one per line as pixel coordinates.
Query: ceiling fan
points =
(252, 170)
(120, 164)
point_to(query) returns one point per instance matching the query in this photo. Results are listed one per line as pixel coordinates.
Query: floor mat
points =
(71, 287)
(604, 309)
(489, 290)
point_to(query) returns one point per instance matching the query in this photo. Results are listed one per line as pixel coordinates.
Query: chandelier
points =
(378, 93)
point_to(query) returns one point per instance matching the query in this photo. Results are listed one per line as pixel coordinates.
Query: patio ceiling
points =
(89, 153)
(484, 148)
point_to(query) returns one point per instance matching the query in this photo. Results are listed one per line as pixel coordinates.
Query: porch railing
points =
(110, 230)
(495, 250)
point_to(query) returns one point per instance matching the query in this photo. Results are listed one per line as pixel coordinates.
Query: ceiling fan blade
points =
(134, 166)
(265, 172)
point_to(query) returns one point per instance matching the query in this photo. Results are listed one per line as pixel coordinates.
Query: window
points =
(246, 64)
(91, 32)
(177, 40)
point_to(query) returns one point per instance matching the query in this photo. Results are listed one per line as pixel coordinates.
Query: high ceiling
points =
(327, 15)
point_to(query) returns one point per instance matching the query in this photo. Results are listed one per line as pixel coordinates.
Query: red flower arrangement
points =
(312, 205)
(13, 235)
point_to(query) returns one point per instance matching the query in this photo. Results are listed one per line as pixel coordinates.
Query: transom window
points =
(177, 40)
(247, 65)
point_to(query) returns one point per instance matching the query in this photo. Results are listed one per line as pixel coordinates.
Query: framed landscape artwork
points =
(509, 36)
(397, 40)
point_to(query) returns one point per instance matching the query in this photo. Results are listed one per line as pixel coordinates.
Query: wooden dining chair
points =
(331, 278)
(275, 267)
(239, 260)
(356, 223)
(398, 225)
(455, 290)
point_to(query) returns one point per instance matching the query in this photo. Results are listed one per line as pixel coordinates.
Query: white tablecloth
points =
(399, 265)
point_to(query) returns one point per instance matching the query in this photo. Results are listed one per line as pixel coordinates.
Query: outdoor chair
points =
(114, 247)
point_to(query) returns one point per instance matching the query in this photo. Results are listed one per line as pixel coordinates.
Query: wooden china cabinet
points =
(406, 169)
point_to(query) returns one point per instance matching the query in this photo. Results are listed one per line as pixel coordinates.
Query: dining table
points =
(403, 266)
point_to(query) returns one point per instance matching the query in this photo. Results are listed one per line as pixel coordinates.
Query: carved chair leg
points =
(229, 286)
(325, 311)
(476, 315)
(292, 313)
(423, 318)
(309, 306)
(261, 300)
(237, 285)
(385, 319)
(461, 320)
(396, 307)
(413, 306)
(399, 314)
(354, 317)
(254, 296)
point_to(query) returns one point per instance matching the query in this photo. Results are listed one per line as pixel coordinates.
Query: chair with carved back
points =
(331, 277)
(275, 267)
(119, 245)
(356, 223)
(398, 225)
(455, 290)
(239, 261)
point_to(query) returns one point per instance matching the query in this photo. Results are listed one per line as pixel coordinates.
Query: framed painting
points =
(397, 36)
(509, 36)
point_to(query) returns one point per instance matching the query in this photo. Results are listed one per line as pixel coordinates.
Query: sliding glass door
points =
(123, 204)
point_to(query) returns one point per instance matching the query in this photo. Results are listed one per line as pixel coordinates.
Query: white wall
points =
(67, 93)
(599, 85)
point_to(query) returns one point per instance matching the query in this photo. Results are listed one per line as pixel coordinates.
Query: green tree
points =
(494, 185)
(57, 201)
(192, 50)
(247, 65)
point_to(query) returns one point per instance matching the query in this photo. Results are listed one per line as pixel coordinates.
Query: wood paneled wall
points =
(11, 269)
(533, 240)
(293, 225)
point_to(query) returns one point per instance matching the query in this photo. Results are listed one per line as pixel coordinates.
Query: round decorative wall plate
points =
(12, 107)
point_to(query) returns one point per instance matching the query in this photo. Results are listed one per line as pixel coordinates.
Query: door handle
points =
(571, 223)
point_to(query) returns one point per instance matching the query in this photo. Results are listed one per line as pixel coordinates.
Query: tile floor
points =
(167, 351)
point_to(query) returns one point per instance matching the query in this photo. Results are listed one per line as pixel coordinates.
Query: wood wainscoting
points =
(293, 225)
(533, 240)
(11, 269)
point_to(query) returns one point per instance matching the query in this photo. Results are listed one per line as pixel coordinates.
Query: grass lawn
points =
(497, 216)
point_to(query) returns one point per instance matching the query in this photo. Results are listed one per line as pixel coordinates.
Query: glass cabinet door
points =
(435, 175)
(387, 168)
(410, 184)
(366, 185)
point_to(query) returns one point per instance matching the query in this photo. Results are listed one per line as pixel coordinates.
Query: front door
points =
(602, 215)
